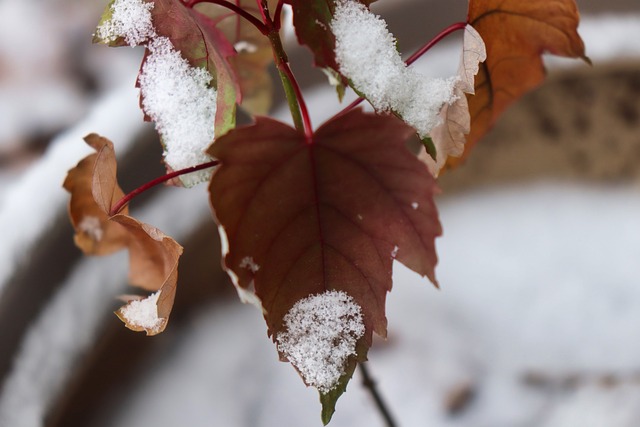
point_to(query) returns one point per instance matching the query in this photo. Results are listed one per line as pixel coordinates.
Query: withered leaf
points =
(153, 256)
(450, 136)
(303, 219)
(516, 34)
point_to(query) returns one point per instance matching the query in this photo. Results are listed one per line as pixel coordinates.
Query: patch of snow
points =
(415, 205)
(320, 334)
(91, 226)
(367, 55)
(143, 313)
(131, 20)
(248, 263)
(245, 46)
(394, 252)
(180, 101)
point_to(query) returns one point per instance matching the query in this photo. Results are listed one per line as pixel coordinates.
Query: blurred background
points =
(537, 321)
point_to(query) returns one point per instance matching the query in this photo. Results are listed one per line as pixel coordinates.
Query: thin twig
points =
(236, 9)
(370, 385)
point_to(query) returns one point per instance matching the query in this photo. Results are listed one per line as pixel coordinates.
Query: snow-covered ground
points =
(539, 282)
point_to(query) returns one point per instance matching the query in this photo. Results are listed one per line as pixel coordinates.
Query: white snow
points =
(367, 55)
(248, 263)
(143, 313)
(415, 205)
(320, 334)
(91, 226)
(394, 252)
(245, 46)
(131, 20)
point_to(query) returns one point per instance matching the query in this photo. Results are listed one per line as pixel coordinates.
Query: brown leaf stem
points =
(116, 208)
(369, 383)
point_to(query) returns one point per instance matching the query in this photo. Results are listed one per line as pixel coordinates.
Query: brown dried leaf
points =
(153, 256)
(450, 136)
(95, 234)
(516, 34)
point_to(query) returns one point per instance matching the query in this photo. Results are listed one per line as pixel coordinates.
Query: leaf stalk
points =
(120, 204)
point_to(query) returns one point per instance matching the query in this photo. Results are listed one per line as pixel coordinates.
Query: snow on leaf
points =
(320, 334)
(516, 34)
(449, 136)
(153, 256)
(366, 54)
(296, 208)
(187, 85)
(142, 314)
(312, 22)
(253, 49)
(125, 22)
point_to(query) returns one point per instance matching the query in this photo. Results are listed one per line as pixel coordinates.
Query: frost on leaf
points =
(297, 208)
(186, 83)
(153, 256)
(366, 54)
(516, 34)
(320, 334)
(449, 136)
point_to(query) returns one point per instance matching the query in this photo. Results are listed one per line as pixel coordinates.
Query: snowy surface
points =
(320, 335)
(537, 280)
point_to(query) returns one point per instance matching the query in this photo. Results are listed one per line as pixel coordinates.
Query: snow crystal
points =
(321, 334)
(179, 100)
(394, 252)
(91, 226)
(131, 20)
(244, 46)
(366, 53)
(248, 263)
(143, 313)
(414, 205)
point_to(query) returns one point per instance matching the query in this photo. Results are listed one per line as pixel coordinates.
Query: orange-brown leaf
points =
(95, 234)
(153, 256)
(516, 34)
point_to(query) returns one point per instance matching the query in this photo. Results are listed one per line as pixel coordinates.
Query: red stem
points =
(115, 209)
(413, 58)
(278, 15)
(236, 9)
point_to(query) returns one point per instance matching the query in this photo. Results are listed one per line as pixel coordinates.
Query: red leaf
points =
(303, 219)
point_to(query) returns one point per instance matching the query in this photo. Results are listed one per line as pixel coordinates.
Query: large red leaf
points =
(516, 33)
(303, 219)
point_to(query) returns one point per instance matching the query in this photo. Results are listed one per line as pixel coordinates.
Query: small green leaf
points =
(429, 146)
